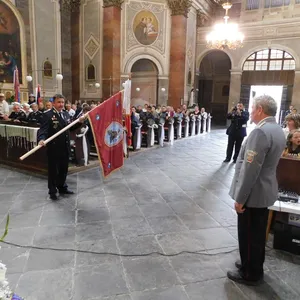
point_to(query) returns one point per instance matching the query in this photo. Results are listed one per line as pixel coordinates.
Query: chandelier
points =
(225, 35)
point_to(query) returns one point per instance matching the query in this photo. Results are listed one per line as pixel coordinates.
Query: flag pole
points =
(36, 148)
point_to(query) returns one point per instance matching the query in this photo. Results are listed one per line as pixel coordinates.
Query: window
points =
(269, 60)
(90, 72)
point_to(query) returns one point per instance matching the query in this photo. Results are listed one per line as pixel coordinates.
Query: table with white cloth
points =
(16, 140)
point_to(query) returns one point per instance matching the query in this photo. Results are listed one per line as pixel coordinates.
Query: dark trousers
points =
(236, 143)
(58, 164)
(252, 226)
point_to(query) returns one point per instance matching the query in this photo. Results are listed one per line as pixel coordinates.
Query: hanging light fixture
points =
(225, 35)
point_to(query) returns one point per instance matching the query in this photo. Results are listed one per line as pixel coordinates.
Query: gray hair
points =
(268, 104)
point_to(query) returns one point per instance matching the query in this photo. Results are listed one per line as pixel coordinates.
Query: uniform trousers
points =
(252, 226)
(236, 143)
(58, 164)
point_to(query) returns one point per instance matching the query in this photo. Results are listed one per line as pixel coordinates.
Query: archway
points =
(213, 86)
(144, 82)
(268, 71)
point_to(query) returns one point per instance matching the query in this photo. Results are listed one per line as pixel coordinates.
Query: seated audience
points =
(48, 106)
(26, 108)
(31, 99)
(70, 110)
(4, 108)
(17, 114)
(36, 115)
(145, 108)
(41, 106)
(293, 143)
(292, 122)
(178, 113)
(158, 109)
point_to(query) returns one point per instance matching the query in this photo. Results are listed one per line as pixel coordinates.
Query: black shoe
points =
(238, 264)
(66, 192)
(226, 160)
(53, 197)
(237, 277)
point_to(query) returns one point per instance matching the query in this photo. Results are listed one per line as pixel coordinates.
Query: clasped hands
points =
(239, 208)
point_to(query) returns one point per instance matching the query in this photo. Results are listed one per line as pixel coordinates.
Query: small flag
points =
(38, 94)
(107, 126)
(17, 85)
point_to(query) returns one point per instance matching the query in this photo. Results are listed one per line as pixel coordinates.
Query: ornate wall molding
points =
(202, 19)
(109, 3)
(180, 7)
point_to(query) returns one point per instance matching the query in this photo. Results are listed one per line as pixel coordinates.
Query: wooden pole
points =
(36, 148)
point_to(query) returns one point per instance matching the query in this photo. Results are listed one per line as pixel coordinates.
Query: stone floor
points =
(167, 201)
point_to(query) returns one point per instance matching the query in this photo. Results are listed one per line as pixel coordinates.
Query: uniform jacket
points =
(51, 124)
(21, 116)
(35, 117)
(238, 124)
(254, 183)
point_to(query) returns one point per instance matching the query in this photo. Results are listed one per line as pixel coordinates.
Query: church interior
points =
(163, 225)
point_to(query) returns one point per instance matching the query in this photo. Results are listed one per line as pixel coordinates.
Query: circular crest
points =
(113, 134)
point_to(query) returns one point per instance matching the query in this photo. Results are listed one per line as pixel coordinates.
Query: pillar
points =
(179, 12)
(235, 88)
(75, 54)
(296, 90)
(111, 57)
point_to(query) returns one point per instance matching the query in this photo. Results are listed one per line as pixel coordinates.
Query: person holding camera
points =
(236, 131)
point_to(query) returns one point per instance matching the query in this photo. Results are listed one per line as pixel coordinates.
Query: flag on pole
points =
(38, 94)
(106, 124)
(17, 85)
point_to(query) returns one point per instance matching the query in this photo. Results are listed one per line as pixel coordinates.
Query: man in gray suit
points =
(254, 188)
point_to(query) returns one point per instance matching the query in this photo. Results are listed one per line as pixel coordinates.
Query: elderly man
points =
(17, 115)
(35, 116)
(254, 188)
(4, 108)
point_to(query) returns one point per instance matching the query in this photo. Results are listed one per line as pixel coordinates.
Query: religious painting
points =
(145, 27)
(10, 45)
(47, 70)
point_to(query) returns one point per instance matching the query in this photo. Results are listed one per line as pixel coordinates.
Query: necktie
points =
(61, 115)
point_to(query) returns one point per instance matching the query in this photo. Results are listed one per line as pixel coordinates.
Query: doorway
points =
(275, 91)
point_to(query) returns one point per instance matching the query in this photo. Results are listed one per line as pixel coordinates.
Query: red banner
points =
(106, 123)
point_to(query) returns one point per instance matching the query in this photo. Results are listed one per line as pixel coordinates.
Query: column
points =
(111, 61)
(235, 88)
(179, 12)
(296, 89)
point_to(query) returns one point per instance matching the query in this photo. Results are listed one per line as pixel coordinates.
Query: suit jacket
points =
(254, 183)
(35, 117)
(238, 124)
(51, 124)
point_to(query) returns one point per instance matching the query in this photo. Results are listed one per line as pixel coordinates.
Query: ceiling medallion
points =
(225, 35)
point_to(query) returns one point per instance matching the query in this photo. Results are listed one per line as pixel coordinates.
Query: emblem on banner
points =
(113, 134)
(97, 117)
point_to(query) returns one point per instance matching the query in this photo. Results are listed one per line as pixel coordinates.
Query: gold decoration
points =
(117, 3)
(180, 7)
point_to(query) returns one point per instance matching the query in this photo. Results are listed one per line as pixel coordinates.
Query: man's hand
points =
(42, 143)
(82, 119)
(17, 121)
(239, 208)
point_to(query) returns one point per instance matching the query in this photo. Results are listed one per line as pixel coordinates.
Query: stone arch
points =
(275, 47)
(20, 20)
(207, 51)
(131, 60)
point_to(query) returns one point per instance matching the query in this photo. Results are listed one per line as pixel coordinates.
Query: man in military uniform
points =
(58, 150)
(35, 116)
(17, 115)
(254, 188)
(236, 131)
